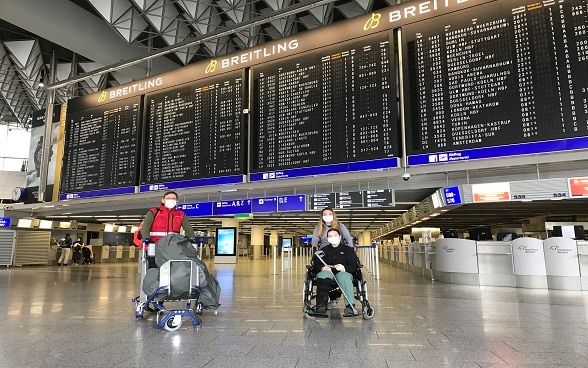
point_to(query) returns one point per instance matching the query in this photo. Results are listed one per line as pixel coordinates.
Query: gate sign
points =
(452, 196)
(578, 187)
(4, 221)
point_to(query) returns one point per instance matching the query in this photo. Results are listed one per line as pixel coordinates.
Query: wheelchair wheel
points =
(306, 294)
(368, 312)
(174, 323)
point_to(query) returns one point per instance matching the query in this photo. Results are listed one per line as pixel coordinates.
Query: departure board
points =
(333, 105)
(100, 150)
(509, 74)
(195, 131)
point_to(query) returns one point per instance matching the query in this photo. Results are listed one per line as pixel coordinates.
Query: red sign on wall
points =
(578, 187)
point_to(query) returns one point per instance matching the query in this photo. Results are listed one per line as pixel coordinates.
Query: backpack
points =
(137, 237)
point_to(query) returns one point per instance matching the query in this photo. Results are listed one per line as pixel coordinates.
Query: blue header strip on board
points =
(385, 163)
(568, 144)
(231, 179)
(97, 193)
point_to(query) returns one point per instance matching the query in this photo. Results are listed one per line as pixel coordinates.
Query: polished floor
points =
(83, 317)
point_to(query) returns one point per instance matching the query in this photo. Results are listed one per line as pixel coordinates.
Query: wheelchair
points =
(309, 292)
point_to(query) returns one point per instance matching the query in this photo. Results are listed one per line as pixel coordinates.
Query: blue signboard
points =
(264, 205)
(568, 144)
(231, 207)
(452, 196)
(97, 193)
(231, 179)
(196, 209)
(4, 221)
(385, 163)
(292, 203)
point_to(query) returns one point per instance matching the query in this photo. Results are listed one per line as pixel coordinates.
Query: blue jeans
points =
(345, 280)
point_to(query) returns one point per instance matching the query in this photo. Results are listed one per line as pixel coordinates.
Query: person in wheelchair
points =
(341, 263)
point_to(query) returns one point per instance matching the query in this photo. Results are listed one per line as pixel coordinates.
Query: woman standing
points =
(328, 221)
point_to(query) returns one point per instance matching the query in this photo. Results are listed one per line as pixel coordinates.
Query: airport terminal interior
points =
(449, 136)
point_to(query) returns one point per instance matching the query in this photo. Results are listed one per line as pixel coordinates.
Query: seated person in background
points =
(77, 251)
(343, 262)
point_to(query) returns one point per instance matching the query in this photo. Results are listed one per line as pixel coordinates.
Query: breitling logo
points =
(373, 22)
(102, 97)
(211, 67)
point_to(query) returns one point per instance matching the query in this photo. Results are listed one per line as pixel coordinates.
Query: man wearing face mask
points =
(329, 221)
(342, 263)
(166, 219)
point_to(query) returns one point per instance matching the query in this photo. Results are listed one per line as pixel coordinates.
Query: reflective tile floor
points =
(83, 317)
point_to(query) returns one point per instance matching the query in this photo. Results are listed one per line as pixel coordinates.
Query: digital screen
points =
(100, 149)
(321, 201)
(195, 131)
(226, 241)
(4, 221)
(508, 75)
(349, 199)
(378, 198)
(287, 243)
(333, 105)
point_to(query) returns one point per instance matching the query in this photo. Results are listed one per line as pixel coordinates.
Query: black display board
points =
(100, 150)
(195, 131)
(333, 105)
(500, 74)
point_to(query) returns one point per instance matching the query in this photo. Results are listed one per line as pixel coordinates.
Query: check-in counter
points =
(583, 260)
(456, 261)
(495, 264)
(554, 263)
(561, 264)
(529, 263)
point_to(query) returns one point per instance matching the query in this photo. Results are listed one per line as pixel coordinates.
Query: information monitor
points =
(500, 79)
(332, 105)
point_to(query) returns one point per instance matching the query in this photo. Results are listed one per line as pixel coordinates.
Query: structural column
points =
(257, 241)
(365, 238)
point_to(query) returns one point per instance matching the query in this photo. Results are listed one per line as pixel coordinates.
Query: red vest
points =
(166, 221)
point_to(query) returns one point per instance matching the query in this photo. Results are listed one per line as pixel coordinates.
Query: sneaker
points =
(320, 309)
(348, 312)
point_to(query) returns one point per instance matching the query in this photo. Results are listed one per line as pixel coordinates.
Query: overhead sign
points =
(264, 205)
(196, 209)
(4, 221)
(578, 187)
(539, 189)
(491, 192)
(452, 196)
(320, 201)
(231, 207)
(292, 203)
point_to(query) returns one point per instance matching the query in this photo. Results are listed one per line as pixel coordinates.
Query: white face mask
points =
(170, 203)
(335, 240)
(328, 218)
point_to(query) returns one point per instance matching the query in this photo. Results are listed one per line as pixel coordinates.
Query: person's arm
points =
(352, 260)
(346, 235)
(188, 228)
(147, 223)
(315, 237)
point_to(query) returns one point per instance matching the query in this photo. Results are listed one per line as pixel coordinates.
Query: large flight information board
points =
(100, 152)
(328, 106)
(194, 132)
(501, 79)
